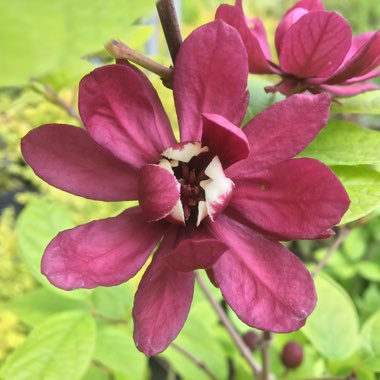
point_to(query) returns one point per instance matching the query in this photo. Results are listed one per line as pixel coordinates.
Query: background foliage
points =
(46, 333)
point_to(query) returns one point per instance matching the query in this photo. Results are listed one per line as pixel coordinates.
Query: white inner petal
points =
(177, 213)
(184, 152)
(217, 189)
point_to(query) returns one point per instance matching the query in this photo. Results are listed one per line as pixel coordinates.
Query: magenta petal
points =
(347, 91)
(104, 252)
(287, 21)
(224, 139)
(159, 192)
(162, 302)
(265, 284)
(195, 251)
(309, 5)
(371, 74)
(283, 130)
(315, 45)
(366, 59)
(296, 199)
(66, 157)
(210, 76)
(234, 16)
(122, 112)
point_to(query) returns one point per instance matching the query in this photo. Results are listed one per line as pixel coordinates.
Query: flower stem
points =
(119, 50)
(342, 234)
(244, 350)
(169, 21)
(267, 337)
(196, 361)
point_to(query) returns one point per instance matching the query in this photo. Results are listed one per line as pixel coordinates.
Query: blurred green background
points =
(45, 48)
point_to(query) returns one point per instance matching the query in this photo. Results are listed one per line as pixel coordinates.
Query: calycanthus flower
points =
(218, 200)
(315, 48)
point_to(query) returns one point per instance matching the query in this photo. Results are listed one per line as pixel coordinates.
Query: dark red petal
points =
(123, 113)
(282, 131)
(159, 191)
(104, 252)
(66, 157)
(210, 76)
(234, 16)
(224, 139)
(195, 250)
(296, 199)
(366, 59)
(265, 284)
(315, 45)
(346, 91)
(162, 302)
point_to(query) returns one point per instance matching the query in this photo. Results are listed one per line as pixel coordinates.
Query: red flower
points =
(315, 48)
(218, 200)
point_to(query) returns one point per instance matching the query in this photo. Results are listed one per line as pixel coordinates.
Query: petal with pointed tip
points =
(162, 302)
(104, 252)
(224, 139)
(282, 131)
(296, 199)
(210, 76)
(315, 45)
(234, 16)
(265, 284)
(123, 113)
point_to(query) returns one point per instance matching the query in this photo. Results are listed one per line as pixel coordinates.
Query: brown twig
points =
(169, 21)
(196, 361)
(119, 50)
(342, 234)
(244, 350)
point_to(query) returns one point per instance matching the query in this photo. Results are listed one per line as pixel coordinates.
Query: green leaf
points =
(38, 223)
(39, 37)
(59, 349)
(371, 364)
(363, 186)
(369, 270)
(344, 143)
(113, 302)
(259, 99)
(333, 326)
(355, 244)
(371, 335)
(368, 102)
(116, 350)
(35, 306)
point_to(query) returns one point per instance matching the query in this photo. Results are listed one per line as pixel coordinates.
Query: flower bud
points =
(251, 339)
(292, 354)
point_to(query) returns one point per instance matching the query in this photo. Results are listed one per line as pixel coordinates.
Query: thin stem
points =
(267, 337)
(51, 95)
(244, 350)
(196, 361)
(342, 234)
(119, 50)
(104, 318)
(169, 21)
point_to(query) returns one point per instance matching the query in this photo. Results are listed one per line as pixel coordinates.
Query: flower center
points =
(191, 191)
(204, 189)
